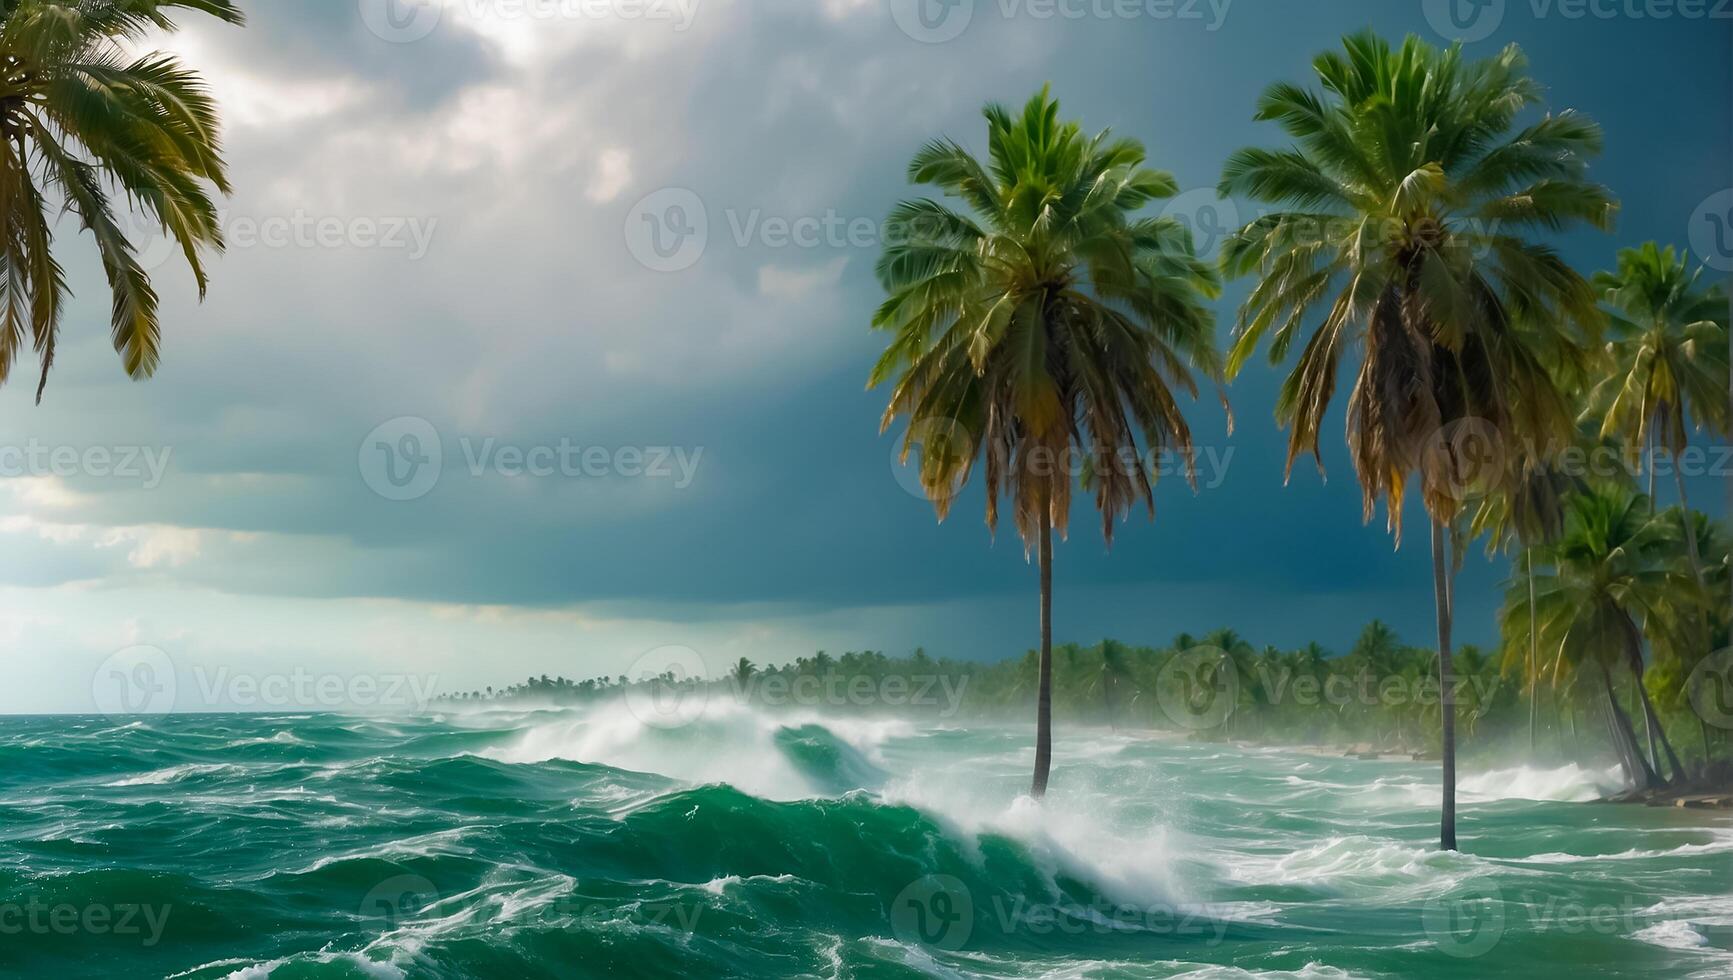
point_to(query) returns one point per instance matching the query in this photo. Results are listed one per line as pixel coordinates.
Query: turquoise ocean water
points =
(581, 842)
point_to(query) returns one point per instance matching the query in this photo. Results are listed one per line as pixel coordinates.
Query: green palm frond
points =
(1036, 316)
(1395, 235)
(102, 131)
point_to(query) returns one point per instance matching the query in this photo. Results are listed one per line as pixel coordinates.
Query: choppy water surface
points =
(581, 843)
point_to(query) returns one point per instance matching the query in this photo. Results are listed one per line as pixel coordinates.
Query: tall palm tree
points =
(1401, 214)
(1668, 340)
(86, 123)
(1044, 320)
(1613, 582)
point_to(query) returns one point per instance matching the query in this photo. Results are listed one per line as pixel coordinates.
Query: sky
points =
(541, 344)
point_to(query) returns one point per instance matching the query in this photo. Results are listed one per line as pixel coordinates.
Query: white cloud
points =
(613, 175)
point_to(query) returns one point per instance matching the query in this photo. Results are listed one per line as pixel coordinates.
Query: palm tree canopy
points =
(1668, 338)
(87, 123)
(1402, 214)
(1043, 319)
(1617, 567)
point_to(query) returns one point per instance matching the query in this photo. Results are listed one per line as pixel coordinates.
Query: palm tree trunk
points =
(1649, 461)
(1651, 720)
(1703, 733)
(1044, 697)
(1533, 661)
(1624, 739)
(1446, 681)
(1690, 531)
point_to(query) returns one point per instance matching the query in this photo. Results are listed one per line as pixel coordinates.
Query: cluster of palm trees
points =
(1040, 315)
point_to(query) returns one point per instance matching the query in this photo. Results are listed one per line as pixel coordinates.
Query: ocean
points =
(580, 841)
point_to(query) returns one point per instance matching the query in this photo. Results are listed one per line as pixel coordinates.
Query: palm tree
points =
(1669, 345)
(86, 122)
(1613, 568)
(1527, 512)
(1400, 215)
(743, 671)
(1043, 321)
